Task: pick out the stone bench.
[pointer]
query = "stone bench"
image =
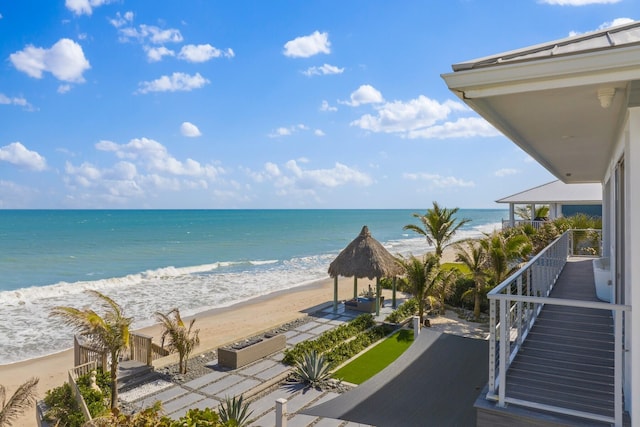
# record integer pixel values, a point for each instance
(234, 358)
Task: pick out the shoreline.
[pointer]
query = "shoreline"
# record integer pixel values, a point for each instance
(218, 327)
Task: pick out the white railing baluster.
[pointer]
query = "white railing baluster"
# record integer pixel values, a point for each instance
(504, 346)
(534, 282)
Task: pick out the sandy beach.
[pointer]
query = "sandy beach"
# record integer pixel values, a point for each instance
(217, 327)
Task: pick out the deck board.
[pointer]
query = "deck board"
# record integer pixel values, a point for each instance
(568, 355)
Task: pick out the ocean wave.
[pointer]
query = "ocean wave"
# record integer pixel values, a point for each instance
(192, 289)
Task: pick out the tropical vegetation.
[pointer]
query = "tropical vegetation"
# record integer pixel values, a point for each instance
(20, 401)
(439, 226)
(182, 339)
(313, 370)
(235, 412)
(107, 332)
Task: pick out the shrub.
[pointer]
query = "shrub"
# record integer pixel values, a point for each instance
(97, 401)
(405, 310)
(62, 408)
(329, 339)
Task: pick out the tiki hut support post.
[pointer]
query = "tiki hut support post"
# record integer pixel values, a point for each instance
(377, 296)
(393, 302)
(355, 287)
(335, 294)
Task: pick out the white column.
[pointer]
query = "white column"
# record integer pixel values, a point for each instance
(416, 327)
(632, 266)
(281, 412)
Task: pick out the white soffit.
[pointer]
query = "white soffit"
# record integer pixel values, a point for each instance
(558, 192)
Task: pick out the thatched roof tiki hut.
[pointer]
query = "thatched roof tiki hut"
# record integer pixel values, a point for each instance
(364, 257)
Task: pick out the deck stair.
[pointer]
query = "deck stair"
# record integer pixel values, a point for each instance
(132, 373)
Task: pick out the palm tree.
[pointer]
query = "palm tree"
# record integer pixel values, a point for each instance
(443, 286)
(440, 226)
(502, 251)
(109, 332)
(181, 339)
(420, 274)
(525, 213)
(474, 257)
(21, 399)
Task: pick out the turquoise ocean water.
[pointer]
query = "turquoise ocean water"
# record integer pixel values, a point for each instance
(151, 260)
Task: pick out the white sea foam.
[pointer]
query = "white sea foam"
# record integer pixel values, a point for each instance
(192, 289)
(27, 331)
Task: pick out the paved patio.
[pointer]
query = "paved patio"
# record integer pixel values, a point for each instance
(253, 381)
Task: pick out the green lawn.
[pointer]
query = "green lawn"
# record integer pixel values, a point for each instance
(457, 265)
(375, 360)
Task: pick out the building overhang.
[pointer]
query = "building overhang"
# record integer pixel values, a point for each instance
(565, 110)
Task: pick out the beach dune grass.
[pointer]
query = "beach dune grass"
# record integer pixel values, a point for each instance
(376, 359)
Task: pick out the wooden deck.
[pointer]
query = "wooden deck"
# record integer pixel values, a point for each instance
(567, 360)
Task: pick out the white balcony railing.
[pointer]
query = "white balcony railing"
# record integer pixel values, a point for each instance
(515, 305)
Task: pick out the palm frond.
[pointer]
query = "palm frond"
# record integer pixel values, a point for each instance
(21, 400)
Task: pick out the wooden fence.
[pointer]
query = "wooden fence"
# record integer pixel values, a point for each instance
(74, 374)
(141, 349)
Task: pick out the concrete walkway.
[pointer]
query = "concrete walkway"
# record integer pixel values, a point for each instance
(252, 381)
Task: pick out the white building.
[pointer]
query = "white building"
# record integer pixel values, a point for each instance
(561, 199)
(574, 106)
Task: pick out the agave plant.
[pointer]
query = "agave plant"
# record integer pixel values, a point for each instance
(313, 369)
(234, 412)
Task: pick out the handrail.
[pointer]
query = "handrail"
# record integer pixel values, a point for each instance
(516, 302)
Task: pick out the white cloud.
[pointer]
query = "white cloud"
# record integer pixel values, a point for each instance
(190, 130)
(202, 53)
(121, 20)
(323, 70)
(438, 181)
(306, 46)
(578, 2)
(84, 7)
(293, 178)
(155, 54)
(144, 169)
(326, 107)
(65, 60)
(365, 94)
(17, 154)
(465, 127)
(505, 172)
(287, 131)
(398, 116)
(615, 23)
(339, 175)
(4, 99)
(318, 132)
(605, 25)
(175, 82)
(421, 118)
(64, 88)
(272, 169)
(150, 33)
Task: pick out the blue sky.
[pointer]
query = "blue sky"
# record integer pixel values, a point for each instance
(262, 104)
